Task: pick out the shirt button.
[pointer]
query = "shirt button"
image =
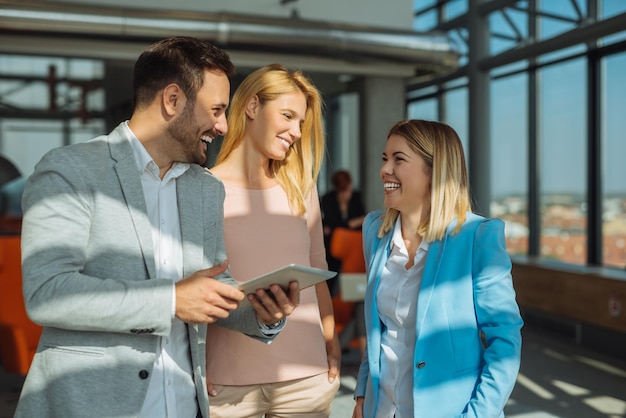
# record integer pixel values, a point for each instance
(421, 365)
(143, 374)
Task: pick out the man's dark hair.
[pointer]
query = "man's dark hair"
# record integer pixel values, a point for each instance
(181, 60)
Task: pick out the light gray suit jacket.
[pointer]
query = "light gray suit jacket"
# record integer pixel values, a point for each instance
(89, 278)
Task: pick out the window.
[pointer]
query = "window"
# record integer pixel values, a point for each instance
(73, 113)
(509, 159)
(456, 114)
(563, 169)
(423, 109)
(613, 128)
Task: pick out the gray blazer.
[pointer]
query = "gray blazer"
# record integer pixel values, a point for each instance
(89, 278)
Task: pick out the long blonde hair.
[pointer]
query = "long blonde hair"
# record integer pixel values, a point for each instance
(297, 173)
(440, 147)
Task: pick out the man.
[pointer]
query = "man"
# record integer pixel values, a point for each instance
(121, 245)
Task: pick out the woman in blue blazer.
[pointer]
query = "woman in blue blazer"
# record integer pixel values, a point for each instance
(443, 326)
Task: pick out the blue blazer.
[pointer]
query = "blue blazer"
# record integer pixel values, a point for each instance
(468, 341)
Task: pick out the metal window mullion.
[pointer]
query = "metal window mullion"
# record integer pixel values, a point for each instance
(594, 148)
(534, 156)
(547, 15)
(594, 162)
(512, 24)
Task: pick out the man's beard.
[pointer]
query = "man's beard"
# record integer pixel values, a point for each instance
(185, 131)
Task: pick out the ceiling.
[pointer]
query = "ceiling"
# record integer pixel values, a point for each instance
(45, 28)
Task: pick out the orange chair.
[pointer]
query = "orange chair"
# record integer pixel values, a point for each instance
(19, 336)
(347, 245)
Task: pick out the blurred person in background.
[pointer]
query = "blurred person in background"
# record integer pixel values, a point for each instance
(341, 207)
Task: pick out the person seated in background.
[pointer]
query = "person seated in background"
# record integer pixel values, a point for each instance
(341, 207)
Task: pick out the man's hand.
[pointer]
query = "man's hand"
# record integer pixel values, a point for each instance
(271, 308)
(200, 298)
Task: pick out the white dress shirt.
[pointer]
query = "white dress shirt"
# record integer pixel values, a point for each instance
(396, 298)
(171, 391)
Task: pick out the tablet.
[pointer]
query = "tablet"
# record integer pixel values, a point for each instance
(305, 276)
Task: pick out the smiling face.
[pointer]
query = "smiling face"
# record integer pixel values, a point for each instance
(406, 177)
(203, 120)
(274, 126)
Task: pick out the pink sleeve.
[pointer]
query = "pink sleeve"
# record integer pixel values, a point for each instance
(314, 222)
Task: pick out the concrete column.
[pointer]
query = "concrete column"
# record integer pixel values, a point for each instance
(479, 111)
(382, 105)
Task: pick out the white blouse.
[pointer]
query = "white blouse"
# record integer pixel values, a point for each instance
(396, 298)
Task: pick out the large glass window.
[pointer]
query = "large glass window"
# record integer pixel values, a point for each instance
(508, 27)
(66, 92)
(613, 166)
(25, 141)
(342, 140)
(563, 163)
(423, 109)
(456, 114)
(426, 16)
(560, 16)
(46, 102)
(509, 158)
(556, 225)
(455, 8)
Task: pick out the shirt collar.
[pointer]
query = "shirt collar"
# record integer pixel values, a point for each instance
(398, 242)
(145, 162)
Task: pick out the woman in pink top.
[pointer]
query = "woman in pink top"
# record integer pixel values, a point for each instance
(269, 163)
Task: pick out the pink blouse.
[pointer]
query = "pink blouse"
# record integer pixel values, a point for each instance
(262, 234)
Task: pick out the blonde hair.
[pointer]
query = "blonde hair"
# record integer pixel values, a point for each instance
(297, 173)
(440, 147)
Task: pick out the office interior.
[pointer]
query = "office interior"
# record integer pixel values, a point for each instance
(535, 89)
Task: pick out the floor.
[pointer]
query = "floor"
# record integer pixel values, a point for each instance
(557, 380)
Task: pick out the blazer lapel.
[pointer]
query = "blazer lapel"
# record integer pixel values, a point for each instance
(192, 203)
(130, 182)
(429, 279)
(192, 200)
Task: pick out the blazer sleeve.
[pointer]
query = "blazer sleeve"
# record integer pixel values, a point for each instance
(498, 318)
(82, 265)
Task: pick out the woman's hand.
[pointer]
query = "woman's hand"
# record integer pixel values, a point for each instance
(210, 388)
(358, 408)
(333, 355)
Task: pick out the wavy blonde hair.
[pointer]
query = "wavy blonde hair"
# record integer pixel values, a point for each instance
(440, 147)
(297, 173)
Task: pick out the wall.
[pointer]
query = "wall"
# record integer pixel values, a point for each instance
(586, 302)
